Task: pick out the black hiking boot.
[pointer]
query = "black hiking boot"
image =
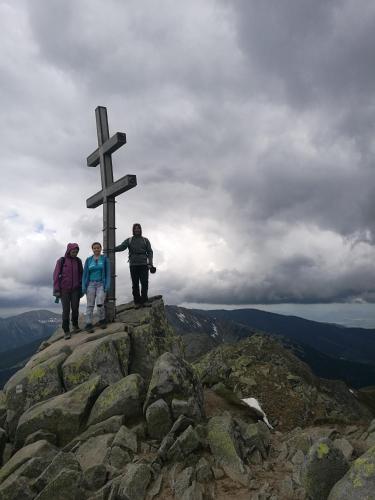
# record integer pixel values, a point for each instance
(89, 328)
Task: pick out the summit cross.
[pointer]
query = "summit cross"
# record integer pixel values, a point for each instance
(103, 156)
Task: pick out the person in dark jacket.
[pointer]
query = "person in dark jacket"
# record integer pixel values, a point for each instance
(96, 281)
(140, 261)
(67, 279)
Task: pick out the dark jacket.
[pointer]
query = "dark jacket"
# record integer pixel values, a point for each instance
(140, 251)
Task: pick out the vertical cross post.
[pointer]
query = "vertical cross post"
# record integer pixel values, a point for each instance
(109, 216)
(110, 189)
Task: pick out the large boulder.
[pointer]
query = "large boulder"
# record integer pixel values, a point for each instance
(187, 443)
(19, 489)
(158, 417)
(32, 385)
(125, 397)
(109, 426)
(124, 446)
(174, 379)
(94, 358)
(64, 486)
(134, 483)
(40, 449)
(63, 415)
(82, 337)
(26, 465)
(151, 335)
(121, 341)
(324, 466)
(61, 347)
(95, 477)
(181, 424)
(126, 439)
(224, 444)
(28, 471)
(62, 461)
(182, 481)
(254, 437)
(93, 451)
(359, 482)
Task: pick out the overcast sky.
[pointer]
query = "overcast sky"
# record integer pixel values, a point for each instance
(250, 127)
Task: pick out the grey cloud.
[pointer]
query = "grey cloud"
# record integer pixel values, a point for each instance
(244, 121)
(313, 50)
(88, 226)
(33, 298)
(133, 47)
(291, 189)
(297, 280)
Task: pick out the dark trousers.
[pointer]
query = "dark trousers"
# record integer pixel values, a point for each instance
(139, 274)
(70, 301)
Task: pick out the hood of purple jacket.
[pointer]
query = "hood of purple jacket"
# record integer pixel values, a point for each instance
(69, 247)
(71, 271)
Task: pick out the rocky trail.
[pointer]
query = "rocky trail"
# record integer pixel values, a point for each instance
(121, 415)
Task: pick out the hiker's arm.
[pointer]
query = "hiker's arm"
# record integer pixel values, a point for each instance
(124, 245)
(150, 253)
(56, 284)
(85, 276)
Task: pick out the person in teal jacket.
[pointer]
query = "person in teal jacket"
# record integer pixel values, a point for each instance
(96, 281)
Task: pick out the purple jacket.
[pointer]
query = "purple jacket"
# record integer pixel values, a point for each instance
(71, 278)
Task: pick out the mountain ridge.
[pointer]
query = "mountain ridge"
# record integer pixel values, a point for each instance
(197, 328)
(26, 327)
(120, 414)
(329, 338)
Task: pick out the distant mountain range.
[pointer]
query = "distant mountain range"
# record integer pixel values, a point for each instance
(332, 351)
(13, 360)
(27, 327)
(353, 344)
(20, 337)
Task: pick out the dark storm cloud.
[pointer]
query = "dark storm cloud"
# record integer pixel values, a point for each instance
(314, 52)
(37, 299)
(295, 280)
(249, 126)
(318, 59)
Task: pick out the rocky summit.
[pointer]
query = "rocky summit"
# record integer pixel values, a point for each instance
(119, 414)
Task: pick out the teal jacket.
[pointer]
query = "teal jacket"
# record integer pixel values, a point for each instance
(98, 273)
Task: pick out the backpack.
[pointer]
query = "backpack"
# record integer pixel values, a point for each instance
(130, 242)
(62, 262)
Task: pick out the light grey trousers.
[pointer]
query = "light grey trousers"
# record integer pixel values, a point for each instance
(95, 293)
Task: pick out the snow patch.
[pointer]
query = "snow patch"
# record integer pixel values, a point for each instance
(181, 316)
(216, 333)
(53, 321)
(254, 403)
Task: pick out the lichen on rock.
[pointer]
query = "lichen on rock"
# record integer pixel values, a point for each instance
(63, 415)
(359, 482)
(124, 397)
(324, 466)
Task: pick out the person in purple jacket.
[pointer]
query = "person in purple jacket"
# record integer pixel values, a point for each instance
(67, 285)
